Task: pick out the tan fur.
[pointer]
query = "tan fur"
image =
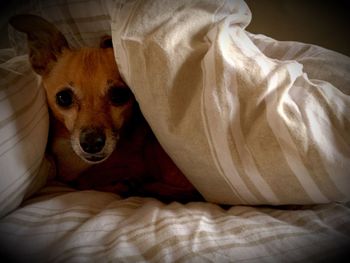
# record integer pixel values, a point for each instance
(131, 160)
(89, 72)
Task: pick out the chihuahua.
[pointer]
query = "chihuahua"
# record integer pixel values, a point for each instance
(98, 136)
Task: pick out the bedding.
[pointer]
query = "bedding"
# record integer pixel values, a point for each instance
(63, 225)
(23, 136)
(250, 120)
(263, 130)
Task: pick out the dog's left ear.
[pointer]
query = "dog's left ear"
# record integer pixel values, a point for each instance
(106, 42)
(45, 41)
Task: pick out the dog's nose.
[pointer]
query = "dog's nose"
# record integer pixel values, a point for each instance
(92, 140)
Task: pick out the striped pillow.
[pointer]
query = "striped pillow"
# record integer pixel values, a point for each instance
(23, 133)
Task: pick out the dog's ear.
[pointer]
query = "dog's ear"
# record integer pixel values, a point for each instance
(45, 41)
(106, 42)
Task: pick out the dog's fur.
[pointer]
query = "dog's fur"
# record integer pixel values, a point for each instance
(98, 135)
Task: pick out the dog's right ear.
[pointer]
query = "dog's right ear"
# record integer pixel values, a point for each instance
(45, 41)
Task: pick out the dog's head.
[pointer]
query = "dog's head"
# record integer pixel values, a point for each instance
(84, 89)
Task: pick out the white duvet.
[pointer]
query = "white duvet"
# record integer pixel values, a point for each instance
(261, 120)
(250, 120)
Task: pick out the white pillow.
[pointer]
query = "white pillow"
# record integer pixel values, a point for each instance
(23, 133)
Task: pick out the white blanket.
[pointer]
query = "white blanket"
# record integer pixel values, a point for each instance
(249, 120)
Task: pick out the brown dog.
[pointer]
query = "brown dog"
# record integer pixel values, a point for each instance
(98, 136)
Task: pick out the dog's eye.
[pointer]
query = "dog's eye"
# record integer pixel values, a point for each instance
(119, 95)
(64, 98)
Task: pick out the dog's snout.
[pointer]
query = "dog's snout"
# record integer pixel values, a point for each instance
(92, 140)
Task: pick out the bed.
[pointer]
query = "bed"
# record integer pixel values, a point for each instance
(259, 126)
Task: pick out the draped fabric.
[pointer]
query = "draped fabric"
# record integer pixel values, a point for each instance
(266, 122)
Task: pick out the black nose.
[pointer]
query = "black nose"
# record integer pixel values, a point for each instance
(92, 140)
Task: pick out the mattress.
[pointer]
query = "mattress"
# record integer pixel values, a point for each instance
(259, 126)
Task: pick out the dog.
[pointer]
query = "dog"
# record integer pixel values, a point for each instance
(98, 136)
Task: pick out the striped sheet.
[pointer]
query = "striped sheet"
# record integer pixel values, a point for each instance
(23, 133)
(61, 225)
(82, 22)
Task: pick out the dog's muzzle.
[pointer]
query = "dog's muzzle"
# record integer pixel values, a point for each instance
(92, 142)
